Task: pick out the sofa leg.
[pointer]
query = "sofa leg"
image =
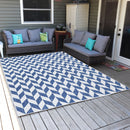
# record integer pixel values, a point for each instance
(6, 55)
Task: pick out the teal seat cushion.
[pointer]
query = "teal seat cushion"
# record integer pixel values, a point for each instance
(90, 44)
(17, 38)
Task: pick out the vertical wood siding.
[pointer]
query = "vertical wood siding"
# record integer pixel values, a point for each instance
(93, 15)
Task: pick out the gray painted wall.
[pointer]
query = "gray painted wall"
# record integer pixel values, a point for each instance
(10, 15)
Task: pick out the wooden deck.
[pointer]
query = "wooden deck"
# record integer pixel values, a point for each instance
(0, 123)
(108, 112)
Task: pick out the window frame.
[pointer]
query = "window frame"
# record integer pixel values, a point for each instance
(37, 22)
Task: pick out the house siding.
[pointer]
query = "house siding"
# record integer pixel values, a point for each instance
(10, 15)
(93, 15)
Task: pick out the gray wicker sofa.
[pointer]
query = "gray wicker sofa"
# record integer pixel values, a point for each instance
(78, 50)
(28, 46)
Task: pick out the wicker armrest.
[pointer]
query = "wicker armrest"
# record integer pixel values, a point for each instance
(68, 40)
(5, 39)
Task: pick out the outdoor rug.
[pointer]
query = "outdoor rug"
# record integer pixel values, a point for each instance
(45, 81)
(115, 66)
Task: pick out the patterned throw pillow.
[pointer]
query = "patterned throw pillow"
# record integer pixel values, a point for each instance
(17, 38)
(44, 37)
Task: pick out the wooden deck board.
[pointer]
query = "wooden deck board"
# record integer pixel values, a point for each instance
(117, 104)
(119, 99)
(100, 112)
(92, 114)
(115, 109)
(126, 94)
(127, 128)
(21, 124)
(48, 121)
(27, 123)
(0, 123)
(104, 108)
(89, 121)
(125, 97)
(37, 121)
(4, 111)
(58, 120)
(121, 125)
(68, 120)
(79, 121)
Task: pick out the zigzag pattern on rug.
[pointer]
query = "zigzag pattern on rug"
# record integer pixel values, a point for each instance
(44, 81)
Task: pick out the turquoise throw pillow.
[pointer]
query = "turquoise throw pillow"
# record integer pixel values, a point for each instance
(44, 37)
(90, 44)
(17, 38)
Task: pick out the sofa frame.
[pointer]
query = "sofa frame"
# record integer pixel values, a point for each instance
(88, 60)
(27, 49)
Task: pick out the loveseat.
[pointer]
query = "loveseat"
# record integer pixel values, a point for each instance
(31, 41)
(76, 47)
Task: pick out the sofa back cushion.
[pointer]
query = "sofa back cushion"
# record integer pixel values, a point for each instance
(50, 32)
(86, 36)
(78, 35)
(34, 35)
(101, 42)
(24, 34)
(9, 37)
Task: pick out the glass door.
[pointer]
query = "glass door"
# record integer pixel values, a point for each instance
(122, 50)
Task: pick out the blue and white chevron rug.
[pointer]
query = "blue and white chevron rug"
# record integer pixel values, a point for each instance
(44, 81)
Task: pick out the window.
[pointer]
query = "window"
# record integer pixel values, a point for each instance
(37, 11)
